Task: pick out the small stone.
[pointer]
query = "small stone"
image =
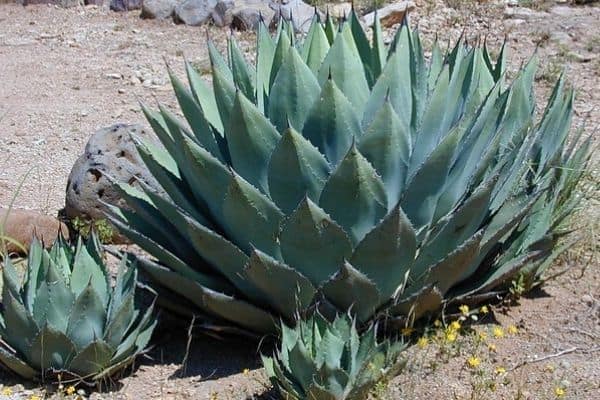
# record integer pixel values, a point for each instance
(114, 75)
(194, 12)
(588, 300)
(158, 9)
(390, 15)
(523, 13)
(297, 11)
(121, 91)
(125, 5)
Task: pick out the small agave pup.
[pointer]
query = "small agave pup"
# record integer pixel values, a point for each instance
(322, 360)
(341, 173)
(63, 318)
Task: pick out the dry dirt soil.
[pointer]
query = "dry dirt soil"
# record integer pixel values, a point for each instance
(66, 73)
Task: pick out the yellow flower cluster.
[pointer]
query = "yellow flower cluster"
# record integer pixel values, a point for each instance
(473, 362)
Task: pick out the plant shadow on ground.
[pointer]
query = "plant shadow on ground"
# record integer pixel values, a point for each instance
(203, 356)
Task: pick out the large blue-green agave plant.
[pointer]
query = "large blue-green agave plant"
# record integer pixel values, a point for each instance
(340, 173)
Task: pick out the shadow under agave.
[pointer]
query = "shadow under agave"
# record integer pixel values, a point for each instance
(200, 354)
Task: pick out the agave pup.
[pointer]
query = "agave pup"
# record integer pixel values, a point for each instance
(64, 318)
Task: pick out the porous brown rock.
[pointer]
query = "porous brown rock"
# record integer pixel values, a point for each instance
(109, 152)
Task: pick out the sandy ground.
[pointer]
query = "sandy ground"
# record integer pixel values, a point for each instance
(66, 73)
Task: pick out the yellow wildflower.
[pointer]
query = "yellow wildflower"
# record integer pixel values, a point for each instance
(498, 332)
(492, 347)
(451, 336)
(246, 371)
(7, 391)
(407, 331)
(559, 392)
(482, 335)
(422, 342)
(549, 368)
(70, 390)
(454, 326)
(464, 310)
(473, 362)
(437, 323)
(512, 329)
(500, 370)
(214, 396)
(484, 310)
(35, 397)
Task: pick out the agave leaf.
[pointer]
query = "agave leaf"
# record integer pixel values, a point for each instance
(379, 51)
(251, 218)
(92, 359)
(394, 84)
(164, 255)
(293, 93)
(446, 106)
(243, 75)
(363, 46)
(58, 299)
(316, 391)
(281, 50)
(435, 66)
(251, 140)
(16, 365)
(447, 272)
(88, 268)
(495, 276)
(312, 243)
(157, 161)
(51, 349)
(20, 327)
(283, 287)
(332, 132)
(120, 321)
(218, 63)
(315, 48)
(387, 252)
(333, 380)
(152, 220)
(340, 290)
(457, 227)
(290, 388)
(209, 245)
(220, 304)
(207, 176)
(356, 181)
(301, 365)
(205, 97)
(33, 276)
(423, 189)
(416, 304)
(306, 171)
(342, 65)
(265, 50)
(87, 319)
(195, 117)
(225, 93)
(330, 350)
(386, 145)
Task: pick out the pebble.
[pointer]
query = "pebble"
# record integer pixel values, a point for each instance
(114, 76)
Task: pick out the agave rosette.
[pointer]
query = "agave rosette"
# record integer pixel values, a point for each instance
(64, 319)
(343, 173)
(322, 360)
